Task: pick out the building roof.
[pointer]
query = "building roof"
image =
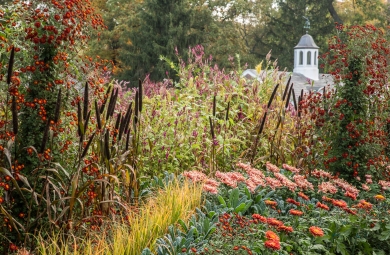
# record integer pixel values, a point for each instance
(306, 42)
(300, 81)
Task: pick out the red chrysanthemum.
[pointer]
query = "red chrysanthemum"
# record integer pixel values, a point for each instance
(272, 244)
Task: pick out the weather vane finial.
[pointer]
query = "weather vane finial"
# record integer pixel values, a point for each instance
(307, 24)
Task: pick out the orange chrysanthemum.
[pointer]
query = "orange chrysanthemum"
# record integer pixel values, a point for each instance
(259, 217)
(271, 203)
(339, 203)
(302, 195)
(287, 229)
(296, 212)
(379, 197)
(322, 206)
(292, 201)
(272, 244)
(316, 231)
(270, 235)
(274, 222)
(363, 204)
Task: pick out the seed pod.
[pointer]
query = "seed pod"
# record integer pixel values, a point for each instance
(105, 100)
(286, 89)
(272, 96)
(262, 124)
(111, 105)
(136, 112)
(211, 128)
(294, 100)
(10, 65)
(127, 124)
(127, 141)
(227, 111)
(58, 107)
(98, 120)
(14, 115)
(86, 101)
(288, 96)
(214, 105)
(86, 121)
(140, 95)
(106, 146)
(45, 135)
(88, 145)
(124, 121)
(118, 120)
(79, 119)
(299, 109)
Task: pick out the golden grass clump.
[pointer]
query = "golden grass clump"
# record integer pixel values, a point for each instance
(176, 201)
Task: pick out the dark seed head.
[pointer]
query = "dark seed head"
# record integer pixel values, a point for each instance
(10, 65)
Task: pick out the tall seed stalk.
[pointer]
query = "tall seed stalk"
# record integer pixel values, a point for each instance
(261, 125)
(225, 130)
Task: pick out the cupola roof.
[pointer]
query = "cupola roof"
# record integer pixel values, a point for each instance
(306, 42)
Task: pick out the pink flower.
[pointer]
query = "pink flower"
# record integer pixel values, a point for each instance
(195, 176)
(273, 183)
(236, 176)
(272, 167)
(321, 174)
(226, 179)
(385, 184)
(210, 188)
(285, 181)
(212, 182)
(251, 185)
(326, 187)
(291, 168)
(346, 186)
(302, 183)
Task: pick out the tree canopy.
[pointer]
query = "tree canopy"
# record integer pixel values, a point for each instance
(141, 31)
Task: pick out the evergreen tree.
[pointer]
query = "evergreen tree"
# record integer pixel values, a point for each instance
(286, 26)
(165, 28)
(111, 42)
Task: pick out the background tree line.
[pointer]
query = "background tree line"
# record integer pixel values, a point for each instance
(140, 31)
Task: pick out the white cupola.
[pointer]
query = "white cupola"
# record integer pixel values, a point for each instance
(306, 57)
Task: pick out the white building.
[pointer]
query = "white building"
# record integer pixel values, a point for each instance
(305, 75)
(306, 58)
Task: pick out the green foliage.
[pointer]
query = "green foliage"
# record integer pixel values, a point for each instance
(351, 121)
(166, 28)
(345, 226)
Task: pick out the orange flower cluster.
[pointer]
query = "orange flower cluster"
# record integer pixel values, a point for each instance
(363, 204)
(296, 212)
(379, 197)
(273, 240)
(322, 206)
(292, 201)
(316, 231)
